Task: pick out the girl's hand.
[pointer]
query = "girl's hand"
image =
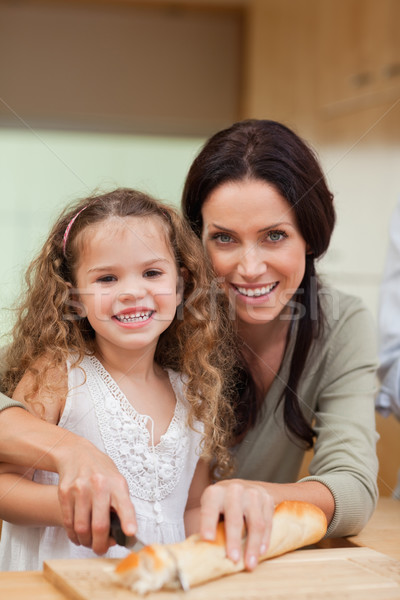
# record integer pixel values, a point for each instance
(90, 485)
(240, 502)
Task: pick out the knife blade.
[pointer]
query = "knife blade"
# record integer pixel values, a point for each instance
(129, 541)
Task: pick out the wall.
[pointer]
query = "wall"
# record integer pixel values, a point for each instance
(41, 171)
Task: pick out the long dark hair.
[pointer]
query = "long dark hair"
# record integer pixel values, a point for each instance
(268, 151)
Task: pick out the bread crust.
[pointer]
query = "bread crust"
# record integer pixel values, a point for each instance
(194, 561)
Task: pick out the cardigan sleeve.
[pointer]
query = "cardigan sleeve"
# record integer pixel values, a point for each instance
(6, 402)
(345, 450)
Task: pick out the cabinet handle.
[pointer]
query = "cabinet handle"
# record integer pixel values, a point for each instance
(361, 80)
(391, 70)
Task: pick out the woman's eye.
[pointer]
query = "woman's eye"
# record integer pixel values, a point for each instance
(276, 236)
(107, 279)
(224, 238)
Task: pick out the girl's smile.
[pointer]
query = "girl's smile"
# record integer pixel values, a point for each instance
(134, 317)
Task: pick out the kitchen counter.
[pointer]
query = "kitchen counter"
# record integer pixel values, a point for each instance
(381, 534)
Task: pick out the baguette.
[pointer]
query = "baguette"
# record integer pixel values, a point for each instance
(195, 561)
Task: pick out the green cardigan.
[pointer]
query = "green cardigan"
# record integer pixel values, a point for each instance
(337, 390)
(6, 402)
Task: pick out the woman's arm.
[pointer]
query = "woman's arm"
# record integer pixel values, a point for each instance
(342, 479)
(344, 457)
(236, 500)
(22, 501)
(251, 503)
(89, 485)
(28, 440)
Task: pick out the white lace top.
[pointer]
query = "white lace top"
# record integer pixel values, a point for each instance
(158, 476)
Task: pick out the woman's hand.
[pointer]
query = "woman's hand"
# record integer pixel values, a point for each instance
(240, 502)
(90, 485)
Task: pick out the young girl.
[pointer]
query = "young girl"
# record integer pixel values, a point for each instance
(118, 340)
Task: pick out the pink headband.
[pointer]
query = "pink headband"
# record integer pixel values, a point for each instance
(68, 229)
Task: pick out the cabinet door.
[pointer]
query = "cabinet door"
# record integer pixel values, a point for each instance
(359, 54)
(389, 65)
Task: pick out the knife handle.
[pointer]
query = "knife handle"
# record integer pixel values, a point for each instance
(116, 529)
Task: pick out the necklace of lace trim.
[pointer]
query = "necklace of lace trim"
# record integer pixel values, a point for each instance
(152, 471)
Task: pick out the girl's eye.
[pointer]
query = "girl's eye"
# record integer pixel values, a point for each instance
(276, 236)
(107, 279)
(224, 238)
(152, 273)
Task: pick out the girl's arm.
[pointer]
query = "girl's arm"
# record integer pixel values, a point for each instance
(16, 486)
(201, 479)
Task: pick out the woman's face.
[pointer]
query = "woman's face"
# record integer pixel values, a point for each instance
(252, 237)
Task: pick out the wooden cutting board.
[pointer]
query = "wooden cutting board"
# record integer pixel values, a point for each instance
(336, 573)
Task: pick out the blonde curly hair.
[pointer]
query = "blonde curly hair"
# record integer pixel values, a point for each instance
(199, 343)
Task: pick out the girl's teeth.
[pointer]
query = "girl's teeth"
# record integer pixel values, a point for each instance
(256, 291)
(134, 317)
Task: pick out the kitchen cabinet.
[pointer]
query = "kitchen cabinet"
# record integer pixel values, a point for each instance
(328, 68)
(122, 67)
(359, 54)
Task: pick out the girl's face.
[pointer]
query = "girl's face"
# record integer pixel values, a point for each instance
(252, 237)
(127, 282)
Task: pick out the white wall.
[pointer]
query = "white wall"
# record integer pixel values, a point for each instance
(41, 171)
(366, 184)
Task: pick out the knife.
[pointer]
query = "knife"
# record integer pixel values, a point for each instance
(129, 541)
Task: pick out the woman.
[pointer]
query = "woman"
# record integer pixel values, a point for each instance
(257, 197)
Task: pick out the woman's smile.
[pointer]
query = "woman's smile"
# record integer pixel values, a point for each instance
(255, 292)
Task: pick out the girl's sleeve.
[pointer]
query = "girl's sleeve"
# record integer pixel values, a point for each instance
(345, 450)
